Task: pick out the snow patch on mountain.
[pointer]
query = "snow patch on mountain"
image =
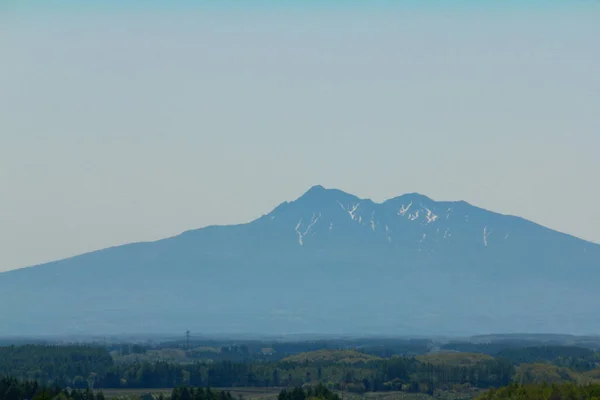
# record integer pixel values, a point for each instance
(350, 210)
(414, 216)
(404, 209)
(486, 235)
(301, 235)
(430, 216)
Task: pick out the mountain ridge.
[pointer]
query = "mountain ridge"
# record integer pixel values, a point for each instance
(326, 262)
(315, 189)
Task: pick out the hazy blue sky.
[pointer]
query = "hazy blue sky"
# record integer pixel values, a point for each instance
(130, 121)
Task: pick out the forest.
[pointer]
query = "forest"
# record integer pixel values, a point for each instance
(353, 366)
(84, 371)
(564, 391)
(95, 367)
(13, 389)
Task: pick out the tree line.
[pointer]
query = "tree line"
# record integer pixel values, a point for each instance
(61, 365)
(13, 389)
(397, 373)
(82, 367)
(563, 391)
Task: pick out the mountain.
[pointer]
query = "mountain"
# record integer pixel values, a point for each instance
(328, 262)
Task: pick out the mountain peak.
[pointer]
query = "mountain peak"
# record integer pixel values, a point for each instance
(319, 193)
(315, 189)
(416, 199)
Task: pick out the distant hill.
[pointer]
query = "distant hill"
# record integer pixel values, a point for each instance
(454, 359)
(544, 373)
(328, 262)
(331, 356)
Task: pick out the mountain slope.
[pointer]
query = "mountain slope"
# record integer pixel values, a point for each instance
(328, 262)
